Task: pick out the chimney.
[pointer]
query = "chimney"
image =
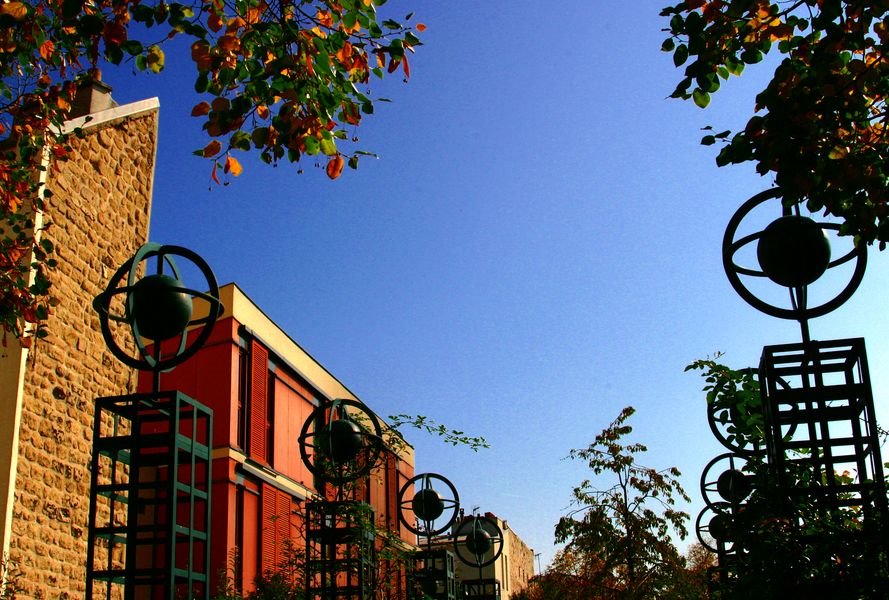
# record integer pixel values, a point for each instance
(92, 95)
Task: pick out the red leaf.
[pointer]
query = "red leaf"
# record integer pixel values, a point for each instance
(335, 166)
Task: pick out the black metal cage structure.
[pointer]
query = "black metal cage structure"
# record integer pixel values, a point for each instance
(435, 575)
(340, 551)
(822, 432)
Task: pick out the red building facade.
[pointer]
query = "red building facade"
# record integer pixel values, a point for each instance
(262, 386)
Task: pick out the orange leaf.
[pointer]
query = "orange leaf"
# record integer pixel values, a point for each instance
(406, 67)
(16, 10)
(212, 149)
(232, 166)
(114, 33)
(325, 18)
(46, 49)
(335, 166)
(421, 27)
(200, 109)
(214, 22)
(693, 4)
(309, 67)
(213, 172)
(221, 104)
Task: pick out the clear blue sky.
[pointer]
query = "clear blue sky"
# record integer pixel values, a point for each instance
(537, 247)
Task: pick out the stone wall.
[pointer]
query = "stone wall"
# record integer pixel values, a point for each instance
(98, 216)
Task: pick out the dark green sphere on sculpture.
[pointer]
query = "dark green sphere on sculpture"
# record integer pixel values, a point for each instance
(793, 251)
(160, 307)
(478, 542)
(340, 440)
(427, 504)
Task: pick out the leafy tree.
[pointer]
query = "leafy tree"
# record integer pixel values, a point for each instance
(622, 532)
(819, 126)
(823, 552)
(283, 78)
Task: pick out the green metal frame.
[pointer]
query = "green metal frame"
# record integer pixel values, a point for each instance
(340, 551)
(149, 525)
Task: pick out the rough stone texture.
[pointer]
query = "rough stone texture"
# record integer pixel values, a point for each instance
(99, 215)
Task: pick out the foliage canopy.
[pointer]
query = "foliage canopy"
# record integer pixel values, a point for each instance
(820, 125)
(282, 78)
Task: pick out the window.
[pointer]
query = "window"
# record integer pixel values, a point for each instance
(243, 395)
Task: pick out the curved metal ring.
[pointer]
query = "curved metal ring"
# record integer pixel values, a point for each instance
(733, 270)
(329, 469)
(102, 305)
(472, 526)
(453, 500)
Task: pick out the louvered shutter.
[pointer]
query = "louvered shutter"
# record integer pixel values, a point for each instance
(259, 394)
(269, 521)
(282, 525)
(276, 509)
(392, 492)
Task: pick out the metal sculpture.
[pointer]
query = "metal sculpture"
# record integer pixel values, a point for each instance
(340, 443)
(157, 307)
(478, 542)
(793, 252)
(434, 512)
(820, 433)
(148, 530)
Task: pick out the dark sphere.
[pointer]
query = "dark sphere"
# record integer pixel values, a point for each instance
(721, 527)
(733, 485)
(793, 251)
(427, 504)
(478, 542)
(160, 308)
(340, 441)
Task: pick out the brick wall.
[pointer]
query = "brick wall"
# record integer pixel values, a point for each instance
(99, 215)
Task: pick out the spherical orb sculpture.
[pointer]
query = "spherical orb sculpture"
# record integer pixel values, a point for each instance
(157, 307)
(341, 441)
(715, 527)
(161, 307)
(793, 251)
(478, 541)
(733, 485)
(427, 505)
(433, 508)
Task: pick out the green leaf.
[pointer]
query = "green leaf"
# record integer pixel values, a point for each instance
(681, 55)
(200, 84)
(708, 140)
(701, 98)
(328, 146)
(312, 146)
(668, 45)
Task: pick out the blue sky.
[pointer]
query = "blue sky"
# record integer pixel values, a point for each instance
(537, 247)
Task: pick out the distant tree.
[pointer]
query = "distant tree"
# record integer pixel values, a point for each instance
(621, 533)
(286, 80)
(820, 125)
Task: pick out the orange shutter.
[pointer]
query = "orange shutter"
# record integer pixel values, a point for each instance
(259, 394)
(392, 492)
(269, 521)
(282, 525)
(276, 508)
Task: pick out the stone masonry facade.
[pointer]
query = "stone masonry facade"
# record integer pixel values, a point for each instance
(98, 216)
